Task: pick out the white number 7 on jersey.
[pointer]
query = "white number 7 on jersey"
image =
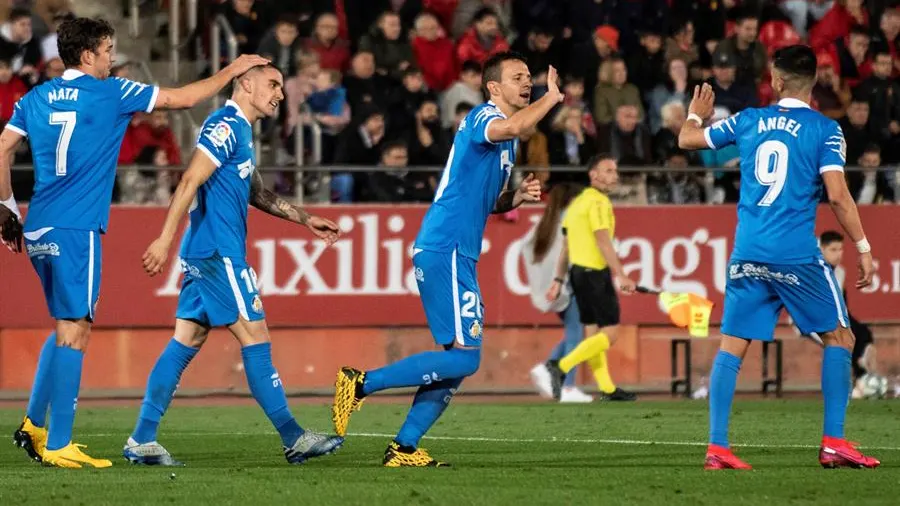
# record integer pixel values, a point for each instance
(774, 155)
(67, 120)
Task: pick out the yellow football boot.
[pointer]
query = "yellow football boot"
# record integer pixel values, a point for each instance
(347, 397)
(397, 456)
(71, 456)
(32, 439)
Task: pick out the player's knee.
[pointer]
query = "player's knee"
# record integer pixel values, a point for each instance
(841, 336)
(73, 334)
(193, 340)
(469, 360)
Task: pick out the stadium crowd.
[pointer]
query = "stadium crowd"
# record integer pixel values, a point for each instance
(388, 82)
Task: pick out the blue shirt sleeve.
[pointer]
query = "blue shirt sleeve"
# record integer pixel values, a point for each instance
(133, 96)
(17, 123)
(481, 118)
(218, 139)
(723, 132)
(833, 153)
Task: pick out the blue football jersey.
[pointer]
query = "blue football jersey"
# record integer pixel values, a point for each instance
(219, 212)
(784, 149)
(76, 124)
(477, 171)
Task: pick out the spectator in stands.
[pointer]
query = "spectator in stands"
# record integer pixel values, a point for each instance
(462, 110)
(467, 89)
(403, 103)
(483, 38)
(334, 53)
(280, 44)
(467, 10)
(11, 90)
(533, 151)
(587, 58)
(675, 186)
(393, 54)
(19, 47)
(150, 131)
(852, 55)
(726, 184)
(48, 43)
(574, 92)
(152, 187)
(364, 86)
(829, 97)
(647, 64)
(328, 106)
(858, 132)
(427, 144)
(674, 89)
(681, 44)
(358, 144)
(627, 139)
(746, 50)
(434, 53)
(614, 90)
(708, 20)
(53, 68)
(886, 38)
(249, 22)
(799, 11)
(883, 94)
(837, 23)
(569, 143)
(121, 67)
(296, 90)
(540, 52)
(729, 94)
(389, 183)
(871, 186)
(673, 114)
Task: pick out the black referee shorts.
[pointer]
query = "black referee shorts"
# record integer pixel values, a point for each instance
(596, 296)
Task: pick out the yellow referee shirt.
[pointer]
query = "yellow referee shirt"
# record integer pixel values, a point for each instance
(589, 212)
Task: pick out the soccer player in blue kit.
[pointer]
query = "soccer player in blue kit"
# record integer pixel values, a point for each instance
(446, 251)
(788, 151)
(76, 124)
(219, 288)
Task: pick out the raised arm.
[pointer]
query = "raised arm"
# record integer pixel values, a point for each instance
(504, 129)
(199, 170)
(692, 135)
(269, 203)
(191, 94)
(10, 217)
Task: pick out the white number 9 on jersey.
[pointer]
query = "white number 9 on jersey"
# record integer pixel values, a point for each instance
(771, 169)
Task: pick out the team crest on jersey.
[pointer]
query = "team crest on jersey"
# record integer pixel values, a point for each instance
(219, 134)
(420, 275)
(257, 304)
(475, 330)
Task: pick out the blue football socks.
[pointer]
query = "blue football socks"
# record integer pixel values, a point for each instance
(266, 387)
(427, 407)
(161, 387)
(65, 376)
(42, 387)
(835, 388)
(423, 369)
(722, 384)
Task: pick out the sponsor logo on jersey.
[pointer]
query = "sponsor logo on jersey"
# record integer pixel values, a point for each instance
(42, 249)
(761, 272)
(420, 275)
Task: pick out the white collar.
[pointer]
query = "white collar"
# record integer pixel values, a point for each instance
(792, 103)
(71, 74)
(237, 108)
(492, 104)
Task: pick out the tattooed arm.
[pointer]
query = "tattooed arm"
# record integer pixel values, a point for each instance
(529, 190)
(266, 201)
(505, 202)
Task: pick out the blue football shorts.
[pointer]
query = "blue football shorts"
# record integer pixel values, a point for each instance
(756, 292)
(216, 291)
(448, 287)
(68, 264)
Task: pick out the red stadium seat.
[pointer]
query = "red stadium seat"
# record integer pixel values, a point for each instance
(777, 34)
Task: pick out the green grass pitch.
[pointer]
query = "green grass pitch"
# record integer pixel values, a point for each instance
(645, 453)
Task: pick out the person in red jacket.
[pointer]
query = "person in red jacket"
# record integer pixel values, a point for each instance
(154, 131)
(483, 38)
(434, 53)
(11, 90)
(334, 53)
(836, 23)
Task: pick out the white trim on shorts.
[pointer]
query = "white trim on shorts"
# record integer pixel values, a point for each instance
(232, 280)
(90, 286)
(834, 294)
(457, 316)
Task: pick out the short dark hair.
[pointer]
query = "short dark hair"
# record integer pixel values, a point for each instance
(830, 236)
(860, 30)
(872, 147)
(572, 79)
(78, 35)
(493, 68)
(676, 151)
(483, 13)
(392, 145)
(463, 107)
(798, 65)
(19, 13)
(233, 85)
(881, 52)
(285, 19)
(599, 157)
(471, 66)
(745, 15)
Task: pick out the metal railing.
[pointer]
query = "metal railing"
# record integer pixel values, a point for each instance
(219, 26)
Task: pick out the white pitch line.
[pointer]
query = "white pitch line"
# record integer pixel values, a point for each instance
(636, 442)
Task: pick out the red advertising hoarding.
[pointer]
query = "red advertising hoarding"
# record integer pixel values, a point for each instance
(366, 278)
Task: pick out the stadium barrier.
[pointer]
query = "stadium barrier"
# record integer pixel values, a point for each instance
(356, 303)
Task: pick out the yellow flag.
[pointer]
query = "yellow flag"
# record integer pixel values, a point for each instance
(688, 310)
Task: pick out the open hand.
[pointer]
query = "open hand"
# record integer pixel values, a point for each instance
(324, 229)
(245, 62)
(703, 102)
(553, 84)
(529, 189)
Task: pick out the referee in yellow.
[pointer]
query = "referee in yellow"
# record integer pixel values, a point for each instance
(589, 226)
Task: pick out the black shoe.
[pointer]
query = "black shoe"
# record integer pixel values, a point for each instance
(619, 395)
(557, 377)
